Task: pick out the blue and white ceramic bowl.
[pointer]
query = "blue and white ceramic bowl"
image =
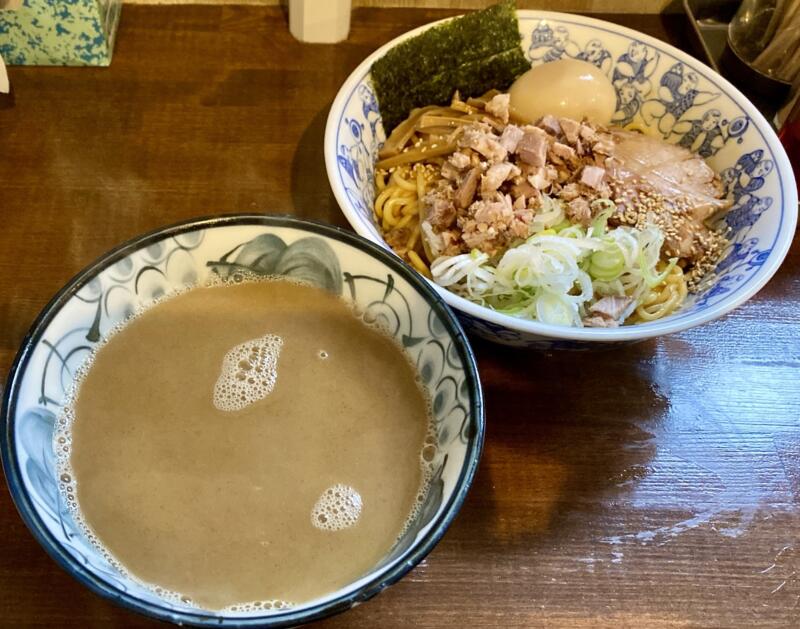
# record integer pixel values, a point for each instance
(132, 276)
(659, 88)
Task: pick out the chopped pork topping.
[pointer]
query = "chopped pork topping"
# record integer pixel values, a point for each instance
(459, 160)
(532, 148)
(450, 172)
(604, 145)
(466, 191)
(494, 182)
(498, 106)
(510, 138)
(598, 321)
(493, 226)
(578, 211)
(539, 179)
(608, 312)
(438, 207)
(550, 124)
(588, 133)
(570, 128)
(444, 243)
(569, 192)
(592, 176)
(524, 190)
(495, 176)
(480, 138)
(611, 307)
(397, 239)
(562, 152)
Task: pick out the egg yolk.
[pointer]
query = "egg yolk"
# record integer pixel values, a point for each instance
(567, 88)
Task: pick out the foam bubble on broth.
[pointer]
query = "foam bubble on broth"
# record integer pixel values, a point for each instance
(249, 372)
(427, 458)
(258, 606)
(338, 508)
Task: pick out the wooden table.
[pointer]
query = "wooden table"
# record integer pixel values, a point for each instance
(655, 485)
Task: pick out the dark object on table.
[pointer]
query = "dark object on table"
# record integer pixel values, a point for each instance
(790, 137)
(766, 35)
(754, 34)
(767, 93)
(710, 21)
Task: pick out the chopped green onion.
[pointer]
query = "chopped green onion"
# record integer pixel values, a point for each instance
(651, 278)
(607, 264)
(562, 225)
(558, 273)
(599, 224)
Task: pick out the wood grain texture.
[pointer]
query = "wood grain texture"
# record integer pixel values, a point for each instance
(656, 485)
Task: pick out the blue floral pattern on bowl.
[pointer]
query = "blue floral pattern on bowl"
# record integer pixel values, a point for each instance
(128, 279)
(660, 90)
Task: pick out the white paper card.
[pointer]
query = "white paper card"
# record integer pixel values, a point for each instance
(5, 86)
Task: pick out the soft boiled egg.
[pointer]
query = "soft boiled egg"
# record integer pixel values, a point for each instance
(567, 88)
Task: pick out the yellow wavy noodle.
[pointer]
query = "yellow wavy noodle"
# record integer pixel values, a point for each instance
(664, 299)
(635, 126)
(409, 164)
(397, 210)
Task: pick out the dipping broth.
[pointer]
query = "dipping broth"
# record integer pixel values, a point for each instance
(251, 444)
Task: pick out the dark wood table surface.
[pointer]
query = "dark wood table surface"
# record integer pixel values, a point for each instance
(654, 485)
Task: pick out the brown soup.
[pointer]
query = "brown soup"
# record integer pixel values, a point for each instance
(250, 442)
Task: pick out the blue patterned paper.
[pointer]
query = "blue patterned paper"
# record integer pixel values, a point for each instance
(59, 32)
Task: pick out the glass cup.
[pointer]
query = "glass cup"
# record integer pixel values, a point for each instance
(765, 34)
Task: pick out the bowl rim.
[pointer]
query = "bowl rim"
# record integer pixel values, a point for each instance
(784, 236)
(380, 579)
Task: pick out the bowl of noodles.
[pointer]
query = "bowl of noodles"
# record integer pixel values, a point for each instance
(554, 213)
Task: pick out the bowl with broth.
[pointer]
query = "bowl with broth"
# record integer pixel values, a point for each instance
(245, 420)
(519, 240)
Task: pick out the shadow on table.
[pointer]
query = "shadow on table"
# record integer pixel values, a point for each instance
(311, 193)
(567, 433)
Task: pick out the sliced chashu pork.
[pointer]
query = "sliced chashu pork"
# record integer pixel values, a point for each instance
(680, 176)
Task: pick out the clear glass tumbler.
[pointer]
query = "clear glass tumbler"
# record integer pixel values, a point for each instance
(766, 35)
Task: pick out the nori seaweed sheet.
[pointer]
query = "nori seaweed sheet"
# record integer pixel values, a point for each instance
(470, 79)
(471, 54)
